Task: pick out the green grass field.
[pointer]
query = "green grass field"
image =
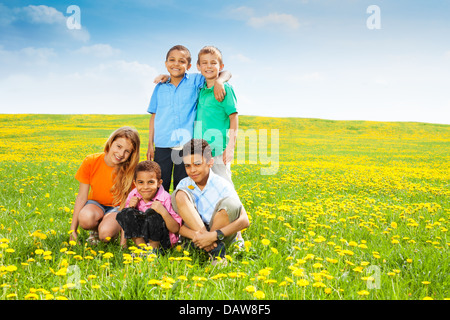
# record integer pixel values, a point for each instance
(338, 209)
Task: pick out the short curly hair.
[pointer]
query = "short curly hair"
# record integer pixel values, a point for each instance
(197, 146)
(148, 166)
(181, 48)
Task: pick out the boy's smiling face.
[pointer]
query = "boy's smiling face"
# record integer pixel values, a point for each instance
(210, 66)
(197, 168)
(147, 184)
(177, 63)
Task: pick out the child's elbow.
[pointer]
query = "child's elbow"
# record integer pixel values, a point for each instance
(175, 228)
(245, 222)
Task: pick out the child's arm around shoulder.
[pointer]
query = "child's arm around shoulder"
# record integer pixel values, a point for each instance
(219, 88)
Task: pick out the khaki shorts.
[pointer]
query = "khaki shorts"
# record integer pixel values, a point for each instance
(231, 205)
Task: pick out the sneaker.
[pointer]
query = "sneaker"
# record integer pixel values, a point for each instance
(239, 242)
(218, 251)
(93, 238)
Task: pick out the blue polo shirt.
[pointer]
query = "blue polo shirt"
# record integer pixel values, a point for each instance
(175, 109)
(216, 189)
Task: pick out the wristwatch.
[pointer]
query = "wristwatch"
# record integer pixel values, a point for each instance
(220, 235)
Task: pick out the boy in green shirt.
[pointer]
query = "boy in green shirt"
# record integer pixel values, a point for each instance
(216, 122)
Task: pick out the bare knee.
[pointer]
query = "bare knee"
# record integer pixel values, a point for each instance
(88, 219)
(109, 228)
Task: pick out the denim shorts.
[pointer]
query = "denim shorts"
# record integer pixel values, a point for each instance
(106, 209)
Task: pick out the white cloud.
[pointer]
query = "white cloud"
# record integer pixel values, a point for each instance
(119, 86)
(381, 81)
(241, 58)
(42, 14)
(26, 57)
(98, 50)
(242, 13)
(313, 76)
(275, 19)
(52, 24)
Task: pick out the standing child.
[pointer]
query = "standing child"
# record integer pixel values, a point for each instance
(173, 109)
(149, 217)
(105, 180)
(217, 122)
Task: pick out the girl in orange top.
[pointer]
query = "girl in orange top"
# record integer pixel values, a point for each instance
(105, 180)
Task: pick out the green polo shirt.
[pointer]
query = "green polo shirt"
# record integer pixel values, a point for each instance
(213, 118)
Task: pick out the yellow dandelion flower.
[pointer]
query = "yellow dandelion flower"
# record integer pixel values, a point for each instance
(250, 289)
(259, 294)
(11, 268)
(166, 285)
(31, 296)
(302, 282)
(317, 265)
(108, 255)
(358, 269)
(319, 284)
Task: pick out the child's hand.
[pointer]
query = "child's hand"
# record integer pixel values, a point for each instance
(161, 78)
(228, 155)
(205, 240)
(134, 202)
(73, 236)
(157, 206)
(150, 153)
(219, 90)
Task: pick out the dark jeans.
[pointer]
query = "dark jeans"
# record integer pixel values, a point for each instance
(163, 156)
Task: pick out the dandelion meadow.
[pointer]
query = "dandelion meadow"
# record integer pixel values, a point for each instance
(352, 210)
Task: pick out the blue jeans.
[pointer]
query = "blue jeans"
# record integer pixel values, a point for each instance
(106, 209)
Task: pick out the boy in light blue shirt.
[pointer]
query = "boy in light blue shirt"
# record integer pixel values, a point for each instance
(173, 107)
(212, 213)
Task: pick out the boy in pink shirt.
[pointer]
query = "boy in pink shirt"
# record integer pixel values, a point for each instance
(148, 217)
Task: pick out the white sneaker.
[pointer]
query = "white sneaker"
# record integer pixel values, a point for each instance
(93, 238)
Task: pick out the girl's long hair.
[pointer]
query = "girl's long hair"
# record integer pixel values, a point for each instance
(123, 182)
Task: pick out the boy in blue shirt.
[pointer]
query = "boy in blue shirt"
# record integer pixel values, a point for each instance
(212, 213)
(173, 109)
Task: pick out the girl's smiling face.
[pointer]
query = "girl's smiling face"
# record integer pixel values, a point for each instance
(120, 151)
(147, 184)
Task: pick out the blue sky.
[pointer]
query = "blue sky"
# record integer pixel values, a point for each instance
(303, 58)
